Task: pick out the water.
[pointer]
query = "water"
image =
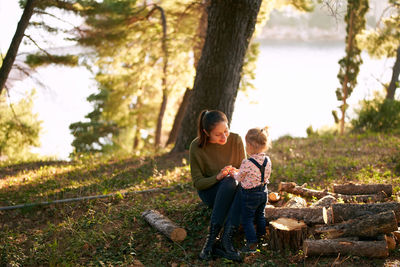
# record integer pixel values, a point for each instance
(296, 84)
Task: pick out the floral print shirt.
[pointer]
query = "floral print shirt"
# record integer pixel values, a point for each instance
(250, 175)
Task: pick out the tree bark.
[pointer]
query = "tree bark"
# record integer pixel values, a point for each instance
(164, 225)
(362, 189)
(372, 249)
(308, 215)
(395, 77)
(287, 234)
(365, 226)
(231, 24)
(16, 41)
(305, 192)
(164, 101)
(345, 211)
(198, 46)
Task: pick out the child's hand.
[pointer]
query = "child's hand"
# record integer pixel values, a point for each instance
(233, 171)
(224, 172)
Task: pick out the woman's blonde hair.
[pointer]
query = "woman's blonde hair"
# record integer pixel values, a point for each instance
(258, 139)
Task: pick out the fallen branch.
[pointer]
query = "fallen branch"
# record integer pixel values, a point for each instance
(66, 200)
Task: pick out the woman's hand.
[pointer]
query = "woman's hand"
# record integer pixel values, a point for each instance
(227, 170)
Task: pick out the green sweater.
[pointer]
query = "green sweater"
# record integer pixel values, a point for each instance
(207, 162)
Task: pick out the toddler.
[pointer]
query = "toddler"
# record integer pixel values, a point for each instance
(253, 176)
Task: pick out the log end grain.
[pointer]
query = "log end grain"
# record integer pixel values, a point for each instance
(391, 242)
(273, 197)
(287, 224)
(178, 234)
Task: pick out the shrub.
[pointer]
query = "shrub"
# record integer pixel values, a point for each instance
(377, 115)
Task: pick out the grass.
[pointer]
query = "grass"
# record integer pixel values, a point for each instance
(111, 231)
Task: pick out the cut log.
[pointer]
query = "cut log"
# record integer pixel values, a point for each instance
(365, 226)
(391, 242)
(372, 249)
(362, 189)
(296, 202)
(273, 197)
(293, 188)
(305, 192)
(164, 225)
(396, 235)
(310, 216)
(345, 211)
(326, 202)
(287, 234)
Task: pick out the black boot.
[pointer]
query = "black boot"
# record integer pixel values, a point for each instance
(207, 251)
(227, 250)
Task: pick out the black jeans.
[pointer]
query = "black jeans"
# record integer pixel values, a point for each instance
(224, 201)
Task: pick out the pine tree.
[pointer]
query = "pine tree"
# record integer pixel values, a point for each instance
(350, 64)
(384, 42)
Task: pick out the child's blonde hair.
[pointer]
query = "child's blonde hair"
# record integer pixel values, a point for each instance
(258, 139)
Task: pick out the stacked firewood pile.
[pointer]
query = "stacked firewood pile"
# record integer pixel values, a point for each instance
(354, 219)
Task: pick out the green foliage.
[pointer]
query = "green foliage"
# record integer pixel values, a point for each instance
(95, 135)
(19, 128)
(383, 41)
(377, 115)
(37, 60)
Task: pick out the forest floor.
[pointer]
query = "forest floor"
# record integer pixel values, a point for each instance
(111, 232)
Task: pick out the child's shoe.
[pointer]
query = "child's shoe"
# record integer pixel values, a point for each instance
(249, 248)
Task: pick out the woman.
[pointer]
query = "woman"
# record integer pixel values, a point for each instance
(212, 154)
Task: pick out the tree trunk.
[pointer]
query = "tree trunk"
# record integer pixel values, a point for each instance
(296, 202)
(305, 192)
(308, 215)
(230, 26)
(344, 211)
(365, 226)
(287, 234)
(198, 46)
(163, 106)
(362, 189)
(16, 41)
(164, 225)
(371, 249)
(395, 77)
(179, 116)
(201, 33)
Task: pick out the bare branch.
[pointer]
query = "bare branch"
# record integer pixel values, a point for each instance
(41, 49)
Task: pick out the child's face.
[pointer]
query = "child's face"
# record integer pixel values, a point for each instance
(219, 134)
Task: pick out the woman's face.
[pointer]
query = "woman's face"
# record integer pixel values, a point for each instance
(219, 134)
